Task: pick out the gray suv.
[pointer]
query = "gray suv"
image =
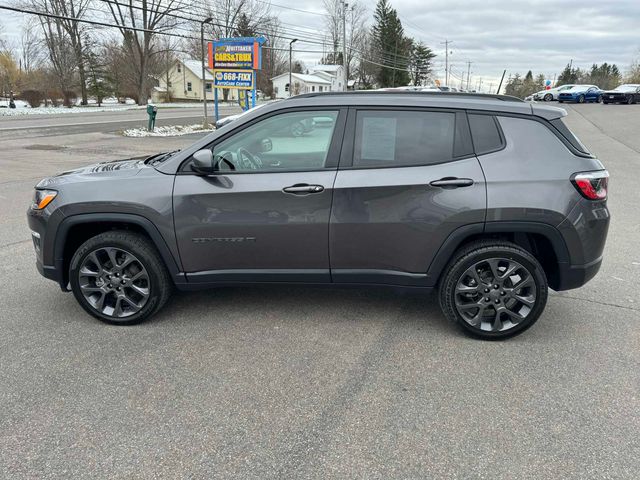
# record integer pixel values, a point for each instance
(487, 198)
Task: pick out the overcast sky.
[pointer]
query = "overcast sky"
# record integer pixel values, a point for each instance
(516, 35)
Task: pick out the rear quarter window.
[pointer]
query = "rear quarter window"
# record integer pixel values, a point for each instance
(485, 133)
(559, 125)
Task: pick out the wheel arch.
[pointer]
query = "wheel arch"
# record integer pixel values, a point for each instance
(73, 231)
(542, 240)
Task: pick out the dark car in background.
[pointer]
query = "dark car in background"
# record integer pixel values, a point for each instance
(486, 198)
(628, 93)
(581, 94)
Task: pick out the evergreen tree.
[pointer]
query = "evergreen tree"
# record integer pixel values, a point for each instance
(420, 63)
(391, 46)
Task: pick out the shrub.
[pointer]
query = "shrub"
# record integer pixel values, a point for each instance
(32, 97)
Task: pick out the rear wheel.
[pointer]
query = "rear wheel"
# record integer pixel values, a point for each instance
(119, 277)
(494, 290)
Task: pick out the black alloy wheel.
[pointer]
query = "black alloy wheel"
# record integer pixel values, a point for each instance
(119, 277)
(494, 290)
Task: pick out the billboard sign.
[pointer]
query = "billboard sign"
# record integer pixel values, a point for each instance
(235, 54)
(242, 79)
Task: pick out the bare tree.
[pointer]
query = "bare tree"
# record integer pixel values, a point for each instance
(30, 46)
(76, 32)
(150, 16)
(61, 57)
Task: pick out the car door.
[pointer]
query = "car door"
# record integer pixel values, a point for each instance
(407, 180)
(592, 94)
(264, 214)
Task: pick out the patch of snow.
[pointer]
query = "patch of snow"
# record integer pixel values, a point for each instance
(170, 131)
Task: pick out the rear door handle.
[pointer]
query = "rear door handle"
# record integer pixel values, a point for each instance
(303, 189)
(452, 182)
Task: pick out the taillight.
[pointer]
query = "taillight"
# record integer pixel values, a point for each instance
(592, 185)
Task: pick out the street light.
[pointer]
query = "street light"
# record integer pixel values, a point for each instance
(204, 80)
(290, 60)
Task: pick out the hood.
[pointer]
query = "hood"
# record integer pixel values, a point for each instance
(98, 171)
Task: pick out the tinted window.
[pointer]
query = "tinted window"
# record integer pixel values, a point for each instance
(569, 136)
(397, 138)
(289, 141)
(485, 133)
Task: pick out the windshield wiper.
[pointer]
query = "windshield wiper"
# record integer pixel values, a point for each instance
(159, 158)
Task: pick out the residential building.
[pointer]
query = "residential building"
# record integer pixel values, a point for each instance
(321, 78)
(183, 82)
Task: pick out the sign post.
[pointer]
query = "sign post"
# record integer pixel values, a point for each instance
(234, 62)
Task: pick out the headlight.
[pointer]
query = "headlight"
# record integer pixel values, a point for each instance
(42, 198)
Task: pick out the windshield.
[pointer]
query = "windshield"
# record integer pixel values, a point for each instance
(626, 88)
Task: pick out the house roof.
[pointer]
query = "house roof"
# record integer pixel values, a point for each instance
(306, 78)
(195, 67)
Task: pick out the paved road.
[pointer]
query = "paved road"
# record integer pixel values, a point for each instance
(29, 126)
(261, 383)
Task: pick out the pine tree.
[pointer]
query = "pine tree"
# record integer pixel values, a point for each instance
(391, 46)
(420, 63)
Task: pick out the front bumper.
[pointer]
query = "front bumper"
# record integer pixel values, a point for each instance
(38, 222)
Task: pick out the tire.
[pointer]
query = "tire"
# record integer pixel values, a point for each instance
(599, 99)
(548, 97)
(630, 100)
(560, 101)
(497, 308)
(129, 293)
(605, 102)
(581, 99)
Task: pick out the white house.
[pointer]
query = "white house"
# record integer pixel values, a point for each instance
(184, 81)
(321, 78)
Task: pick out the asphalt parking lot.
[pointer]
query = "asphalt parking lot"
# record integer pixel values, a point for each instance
(261, 383)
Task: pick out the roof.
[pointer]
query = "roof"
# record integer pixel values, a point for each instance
(467, 101)
(195, 66)
(305, 77)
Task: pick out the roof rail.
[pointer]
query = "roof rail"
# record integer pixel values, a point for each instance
(479, 96)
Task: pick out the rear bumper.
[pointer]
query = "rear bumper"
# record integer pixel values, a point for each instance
(575, 276)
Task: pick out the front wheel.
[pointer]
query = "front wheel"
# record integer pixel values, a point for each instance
(581, 99)
(119, 277)
(630, 100)
(548, 97)
(494, 290)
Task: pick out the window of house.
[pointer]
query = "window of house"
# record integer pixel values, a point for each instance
(179, 68)
(169, 83)
(208, 87)
(189, 88)
(403, 138)
(320, 88)
(313, 88)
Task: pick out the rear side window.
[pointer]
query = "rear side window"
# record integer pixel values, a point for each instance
(386, 138)
(485, 133)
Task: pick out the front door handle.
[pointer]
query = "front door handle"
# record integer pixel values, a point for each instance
(303, 189)
(452, 182)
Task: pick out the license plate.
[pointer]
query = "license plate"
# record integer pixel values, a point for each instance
(611, 97)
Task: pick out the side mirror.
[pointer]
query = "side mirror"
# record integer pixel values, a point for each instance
(266, 145)
(203, 162)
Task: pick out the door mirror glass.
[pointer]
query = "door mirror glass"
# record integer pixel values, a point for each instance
(266, 145)
(203, 162)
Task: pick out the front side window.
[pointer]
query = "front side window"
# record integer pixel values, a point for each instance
(286, 142)
(403, 138)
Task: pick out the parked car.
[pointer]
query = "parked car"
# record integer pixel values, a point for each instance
(552, 93)
(628, 93)
(410, 190)
(581, 94)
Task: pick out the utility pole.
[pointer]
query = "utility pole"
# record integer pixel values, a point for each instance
(501, 80)
(446, 60)
(345, 74)
(468, 73)
(205, 122)
(290, 63)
